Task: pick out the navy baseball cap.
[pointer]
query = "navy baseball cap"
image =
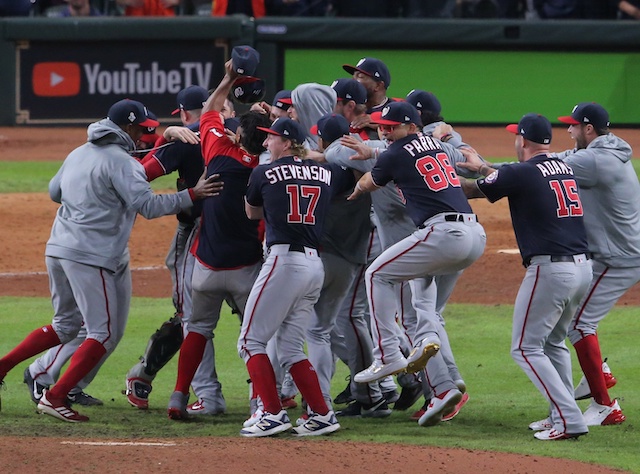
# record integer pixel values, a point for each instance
(191, 98)
(127, 111)
(248, 90)
(286, 128)
(533, 127)
(350, 89)
(396, 113)
(245, 60)
(424, 101)
(372, 67)
(587, 112)
(330, 127)
(232, 124)
(282, 100)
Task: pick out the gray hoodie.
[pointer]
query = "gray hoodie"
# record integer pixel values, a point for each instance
(101, 189)
(311, 102)
(610, 195)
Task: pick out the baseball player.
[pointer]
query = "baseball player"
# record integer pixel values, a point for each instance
(292, 194)
(178, 150)
(610, 191)
(101, 189)
(374, 75)
(448, 239)
(45, 370)
(228, 249)
(344, 243)
(547, 216)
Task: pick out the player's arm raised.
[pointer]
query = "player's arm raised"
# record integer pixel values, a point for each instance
(216, 100)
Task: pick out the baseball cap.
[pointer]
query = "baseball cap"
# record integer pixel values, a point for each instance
(350, 89)
(330, 127)
(424, 101)
(587, 112)
(191, 98)
(245, 60)
(282, 100)
(127, 111)
(232, 123)
(149, 134)
(533, 127)
(396, 113)
(371, 67)
(248, 90)
(287, 128)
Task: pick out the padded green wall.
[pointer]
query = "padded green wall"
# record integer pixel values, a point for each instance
(492, 86)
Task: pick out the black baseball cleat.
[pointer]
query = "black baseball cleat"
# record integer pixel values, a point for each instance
(408, 397)
(35, 389)
(84, 399)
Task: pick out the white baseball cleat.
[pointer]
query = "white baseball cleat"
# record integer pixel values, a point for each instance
(59, 409)
(378, 370)
(318, 425)
(268, 425)
(603, 415)
(439, 407)
(553, 435)
(541, 425)
(422, 352)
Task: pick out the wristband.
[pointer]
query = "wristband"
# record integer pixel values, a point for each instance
(192, 194)
(446, 137)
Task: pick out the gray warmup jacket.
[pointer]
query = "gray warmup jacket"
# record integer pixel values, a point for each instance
(610, 195)
(101, 189)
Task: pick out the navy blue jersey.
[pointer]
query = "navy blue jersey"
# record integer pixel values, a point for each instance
(184, 158)
(227, 237)
(424, 173)
(296, 195)
(545, 206)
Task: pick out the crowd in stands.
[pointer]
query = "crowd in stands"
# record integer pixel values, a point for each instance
(515, 9)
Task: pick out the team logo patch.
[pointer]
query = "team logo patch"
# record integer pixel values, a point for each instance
(492, 177)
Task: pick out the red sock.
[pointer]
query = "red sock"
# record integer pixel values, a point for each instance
(39, 340)
(263, 379)
(82, 362)
(191, 353)
(590, 358)
(306, 379)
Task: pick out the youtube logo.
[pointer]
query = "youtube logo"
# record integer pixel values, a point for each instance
(56, 79)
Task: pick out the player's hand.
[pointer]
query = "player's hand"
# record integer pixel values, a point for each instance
(363, 152)
(207, 187)
(363, 121)
(261, 107)
(184, 134)
(229, 70)
(473, 163)
(442, 130)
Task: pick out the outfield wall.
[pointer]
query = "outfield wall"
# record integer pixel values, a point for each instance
(65, 71)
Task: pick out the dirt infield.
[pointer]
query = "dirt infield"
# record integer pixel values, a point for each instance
(26, 220)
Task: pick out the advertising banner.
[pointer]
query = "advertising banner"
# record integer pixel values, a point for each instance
(60, 82)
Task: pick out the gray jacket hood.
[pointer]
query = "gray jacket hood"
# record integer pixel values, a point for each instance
(620, 149)
(312, 101)
(106, 132)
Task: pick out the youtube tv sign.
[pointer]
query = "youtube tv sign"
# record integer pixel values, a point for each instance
(63, 83)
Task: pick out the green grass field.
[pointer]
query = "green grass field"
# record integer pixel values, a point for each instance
(503, 401)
